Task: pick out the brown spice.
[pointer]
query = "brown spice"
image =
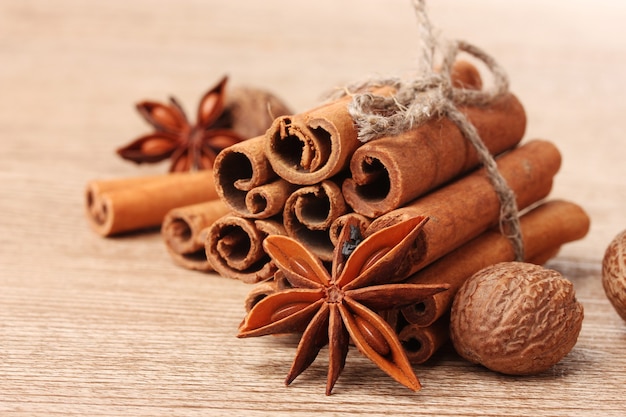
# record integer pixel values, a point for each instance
(250, 111)
(240, 169)
(614, 273)
(333, 308)
(128, 204)
(234, 247)
(310, 147)
(190, 146)
(308, 214)
(184, 232)
(515, 318)
(421, 342)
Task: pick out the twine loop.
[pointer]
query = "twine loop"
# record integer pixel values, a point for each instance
(432, 94)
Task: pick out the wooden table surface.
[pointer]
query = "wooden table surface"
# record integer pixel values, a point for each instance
(94, 326)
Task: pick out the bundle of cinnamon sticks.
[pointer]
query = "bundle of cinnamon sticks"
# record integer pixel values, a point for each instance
(309, 173)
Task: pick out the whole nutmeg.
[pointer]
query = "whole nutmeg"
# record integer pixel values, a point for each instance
(250, 111)
(614, 273)
(515, 318)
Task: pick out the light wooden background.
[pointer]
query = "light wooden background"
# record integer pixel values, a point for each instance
(93, 326)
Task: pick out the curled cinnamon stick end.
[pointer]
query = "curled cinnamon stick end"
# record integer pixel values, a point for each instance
(391, 171)
(427, 311)
(544, 230)
(234, 248)
(184, 232)
(338, 224)
(129, 204)
(239, 169)
(259, 292)
(267, 200)
(309, 213)
(421, 343)
(310, 147)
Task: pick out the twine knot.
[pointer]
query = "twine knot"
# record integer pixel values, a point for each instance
(432, 94)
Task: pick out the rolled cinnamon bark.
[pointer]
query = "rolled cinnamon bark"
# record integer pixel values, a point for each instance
(338, 224)
(309, 213)
(234, 247)
(464, 209)
(544, 230)
(266, 200)
(391, 171)
(129, 204)
(421, 343)
(465, 75)
(310, 147)
(239, 169)
(259, 292)
(185, 229)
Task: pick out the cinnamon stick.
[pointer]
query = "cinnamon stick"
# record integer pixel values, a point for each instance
(421, 343)
(266, 200)
(127, 204)
(234, 247)
(239, 169)
(544, 230)
(391, 171)
(338, 224)
(185, 229)
(309, 213)
(259, 292)
(310, 147)
(464, 209)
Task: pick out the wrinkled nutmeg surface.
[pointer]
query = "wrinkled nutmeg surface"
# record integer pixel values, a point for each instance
(515, 318)
(614, 273)
(250, 111)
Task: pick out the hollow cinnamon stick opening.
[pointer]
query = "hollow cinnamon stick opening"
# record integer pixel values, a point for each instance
(307, 148)
(266, 200)
(259, 292)
(184, 232)
(239, 169)
(544, 230)
(338, 224)
(122, 205)
(464, 209)
(309, 213)
(234, 247)
(421, 343)
(391, 171)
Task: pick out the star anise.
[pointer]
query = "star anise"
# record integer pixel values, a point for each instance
(191, 147)
(334, 308)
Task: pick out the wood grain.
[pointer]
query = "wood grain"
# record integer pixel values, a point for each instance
(110, 327)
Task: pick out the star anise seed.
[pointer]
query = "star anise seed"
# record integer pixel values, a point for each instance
(332, 309)
(191, 147)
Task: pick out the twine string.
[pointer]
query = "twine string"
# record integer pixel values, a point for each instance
(432, 94)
